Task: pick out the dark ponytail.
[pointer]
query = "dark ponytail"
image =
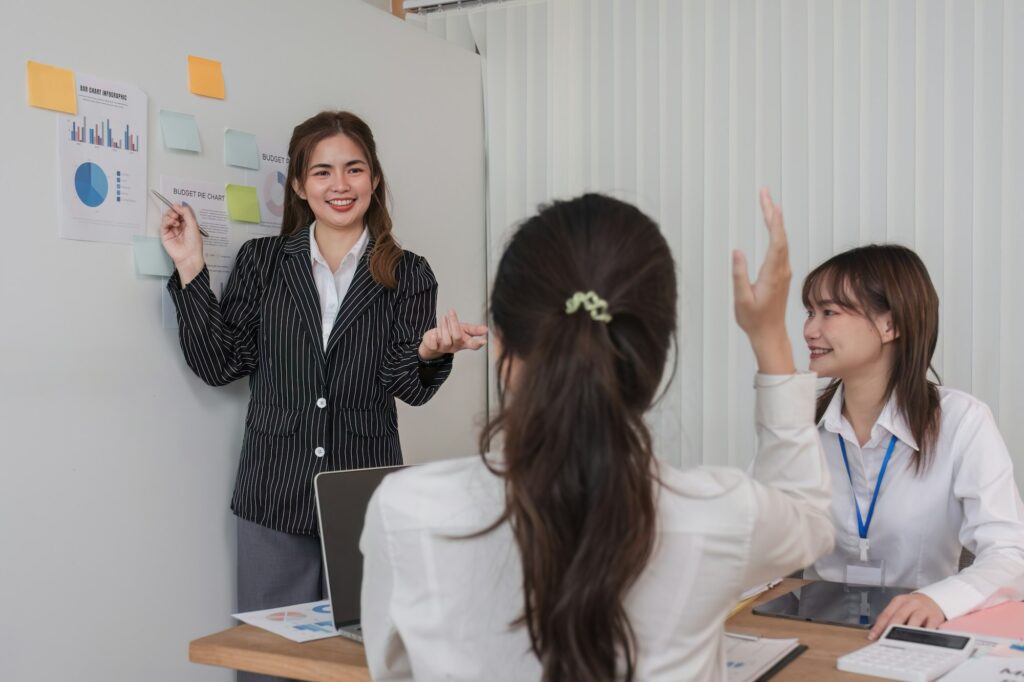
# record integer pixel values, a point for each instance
(578, 464)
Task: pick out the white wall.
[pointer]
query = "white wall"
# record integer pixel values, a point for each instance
(116, 463)
(874, 120)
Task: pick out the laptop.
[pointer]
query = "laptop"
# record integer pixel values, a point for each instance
(341, 501)
(820, 601)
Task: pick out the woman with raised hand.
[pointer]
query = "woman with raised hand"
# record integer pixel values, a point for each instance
(919, 470)
(570, 552)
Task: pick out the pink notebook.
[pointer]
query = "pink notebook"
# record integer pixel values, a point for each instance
(1005, 620)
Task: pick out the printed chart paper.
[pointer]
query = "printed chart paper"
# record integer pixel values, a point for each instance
(102, 163)
(299, 623)
(207, 201)
(269, 182)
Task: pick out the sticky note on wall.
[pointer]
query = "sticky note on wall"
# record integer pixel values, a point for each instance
(243, 203)
(205, 77)
(240, 149)
(179, 131)
(150, 257)
(51, 87)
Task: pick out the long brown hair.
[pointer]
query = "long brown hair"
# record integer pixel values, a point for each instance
(578, 462)
(888, 278)
(297, 213)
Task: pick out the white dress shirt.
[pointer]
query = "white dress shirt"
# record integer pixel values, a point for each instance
(437, 606)
(966, 498)
(332, 286)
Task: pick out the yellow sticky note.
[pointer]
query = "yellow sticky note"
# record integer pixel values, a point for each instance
(51, 87)
(205, 77)
(243, 204)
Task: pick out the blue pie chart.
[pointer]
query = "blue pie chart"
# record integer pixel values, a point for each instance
(91, 184)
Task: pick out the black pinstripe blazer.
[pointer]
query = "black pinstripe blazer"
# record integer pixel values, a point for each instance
(310, 410)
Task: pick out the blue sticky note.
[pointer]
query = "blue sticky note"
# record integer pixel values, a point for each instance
(179, 131)
(240, 149)
(150, 257)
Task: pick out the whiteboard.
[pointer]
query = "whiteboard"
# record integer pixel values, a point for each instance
(117, 462)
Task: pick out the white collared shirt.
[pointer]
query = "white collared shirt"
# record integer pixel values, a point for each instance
(966, 498)
(332, 286)
(436, 606)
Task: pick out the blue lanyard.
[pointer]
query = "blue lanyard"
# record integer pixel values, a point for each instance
(863, 526)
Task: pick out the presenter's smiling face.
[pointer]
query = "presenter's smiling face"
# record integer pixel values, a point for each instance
(338, 186)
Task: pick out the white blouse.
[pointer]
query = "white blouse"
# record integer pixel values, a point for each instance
(331, 287)
(439, 606)
(966, 498)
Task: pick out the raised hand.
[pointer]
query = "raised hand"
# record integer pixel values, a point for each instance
(761, 305)
(179, 233)
(451, 336)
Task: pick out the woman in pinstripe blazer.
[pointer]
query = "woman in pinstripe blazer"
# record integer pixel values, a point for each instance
(331, 321)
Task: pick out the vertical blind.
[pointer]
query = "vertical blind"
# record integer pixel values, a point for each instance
(873, 121)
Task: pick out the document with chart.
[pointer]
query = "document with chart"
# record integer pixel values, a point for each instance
(102, 163)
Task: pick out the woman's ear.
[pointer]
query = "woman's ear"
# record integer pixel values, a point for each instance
(376, 181)
(297, 188)
(886, 329)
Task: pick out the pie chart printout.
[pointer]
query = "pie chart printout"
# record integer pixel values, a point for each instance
(273, 192)
(91, 184)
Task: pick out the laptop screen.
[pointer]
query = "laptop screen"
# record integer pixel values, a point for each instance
(341, 501)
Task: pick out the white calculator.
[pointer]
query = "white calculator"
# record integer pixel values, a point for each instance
(909, 654)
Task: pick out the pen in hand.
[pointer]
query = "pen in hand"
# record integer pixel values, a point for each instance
(167, 201)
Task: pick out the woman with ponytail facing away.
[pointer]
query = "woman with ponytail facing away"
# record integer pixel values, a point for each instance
(568, 552)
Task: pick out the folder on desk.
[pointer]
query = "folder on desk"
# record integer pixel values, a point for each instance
(756, 659)
(1005, 620)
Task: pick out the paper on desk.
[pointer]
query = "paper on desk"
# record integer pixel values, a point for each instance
(994, 668)
(299, 623)
(747, 658)
(1004, 620)
(758, 589)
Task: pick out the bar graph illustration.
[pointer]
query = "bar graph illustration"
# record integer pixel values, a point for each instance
(102, 155)
(102, 134)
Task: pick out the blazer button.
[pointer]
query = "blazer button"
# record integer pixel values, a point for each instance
(319, 452)
(321, 403)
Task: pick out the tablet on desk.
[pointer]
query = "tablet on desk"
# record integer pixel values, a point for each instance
(820, 601)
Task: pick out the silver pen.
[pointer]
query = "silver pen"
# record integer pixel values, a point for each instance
(167, 201)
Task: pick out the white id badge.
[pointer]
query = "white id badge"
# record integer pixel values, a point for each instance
(866, 572)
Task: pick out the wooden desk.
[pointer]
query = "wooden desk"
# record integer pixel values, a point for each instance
(249, 648)
(825, 643)
(340, 660)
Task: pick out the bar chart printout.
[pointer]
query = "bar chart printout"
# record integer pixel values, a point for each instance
(102, 135)
(103, 162)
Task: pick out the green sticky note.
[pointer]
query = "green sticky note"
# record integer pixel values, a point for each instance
(150, 257)
(240, 149)
(243, 204)
(179, 131)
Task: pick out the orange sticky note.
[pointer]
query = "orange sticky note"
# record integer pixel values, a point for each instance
(51, 87)
(205, 77)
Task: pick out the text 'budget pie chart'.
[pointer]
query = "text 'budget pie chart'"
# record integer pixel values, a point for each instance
(91, 184)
